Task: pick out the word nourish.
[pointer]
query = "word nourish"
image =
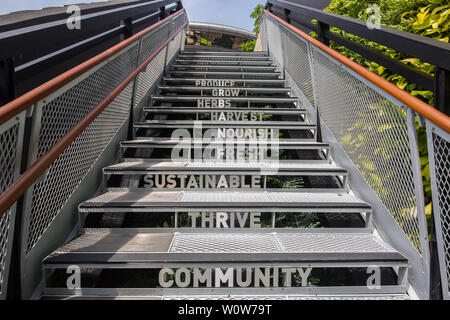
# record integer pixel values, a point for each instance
(268, 277)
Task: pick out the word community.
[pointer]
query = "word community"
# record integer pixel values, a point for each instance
(243, 277)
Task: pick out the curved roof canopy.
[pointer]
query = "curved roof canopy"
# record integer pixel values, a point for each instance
(219, 28)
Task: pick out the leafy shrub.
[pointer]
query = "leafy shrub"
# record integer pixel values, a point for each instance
(255, 15)
(429, 18)
(248, 46)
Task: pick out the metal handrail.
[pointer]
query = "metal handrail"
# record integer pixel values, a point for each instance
(18, 188)
(20, 104)
(432, 114)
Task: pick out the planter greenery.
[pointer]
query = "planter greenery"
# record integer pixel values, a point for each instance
(255, 15)
(429, 18)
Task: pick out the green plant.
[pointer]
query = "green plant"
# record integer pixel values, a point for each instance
(248, 46)
(255, 15)
(205, 42)
(429, 18)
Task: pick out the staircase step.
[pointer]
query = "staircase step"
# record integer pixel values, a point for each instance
(211, 248)
(227, 53)
(302, 144)
(240, 176)
(223, 62)
(225, 57)
(336, 296)
(211, 81)
(283, 167)
(209, 89)
(250, 99)
(208, 124)
(231, 74)
(196, 110)
(147, 201)
(225, 68)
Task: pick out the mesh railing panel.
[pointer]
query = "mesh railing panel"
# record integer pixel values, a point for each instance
(374, 134)
(172, 48)
(58, 117)
(440, 179)
(276, 46)
(149, 78)
(297, 64)
(8, 147)
(153, 41)
(60, 114)
(65, 174)
(372, 129)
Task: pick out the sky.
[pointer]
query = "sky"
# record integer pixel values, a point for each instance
(235, 13)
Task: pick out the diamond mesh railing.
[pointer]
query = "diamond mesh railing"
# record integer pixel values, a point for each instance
(11, 135)
(373, 134)
(114, 88)
(439, 154)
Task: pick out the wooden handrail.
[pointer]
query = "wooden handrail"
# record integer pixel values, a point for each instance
(20, 104)
(432, 114)
(18, 188)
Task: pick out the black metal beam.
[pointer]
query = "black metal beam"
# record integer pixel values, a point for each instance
(442, 90)
(36, 50)
(414, 75)
(7, 83)
(32, 35)
(426, 49)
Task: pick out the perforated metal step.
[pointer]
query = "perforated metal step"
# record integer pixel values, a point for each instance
(195, 110)
(226, 53)
(237, 82)
(223, 167)
(224, 68)
(224, 57)
(359, 249)
(206, 90)
(231, 74)
(252, 99)
(283, 143)
(224, 199)
(194, 60)
(166, 124)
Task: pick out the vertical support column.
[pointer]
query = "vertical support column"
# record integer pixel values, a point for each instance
(7, 85)
(287, 12)
(418, 190)
(321, 28)
(442, 90)
(179, 5)
(132, 114)
(162, 13)
(128, 23)
(438, 265)
(315, 94)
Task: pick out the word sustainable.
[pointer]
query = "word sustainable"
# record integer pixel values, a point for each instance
(242, 277)
(194, 181)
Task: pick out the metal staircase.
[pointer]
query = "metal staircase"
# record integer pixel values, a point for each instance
(219, 221)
